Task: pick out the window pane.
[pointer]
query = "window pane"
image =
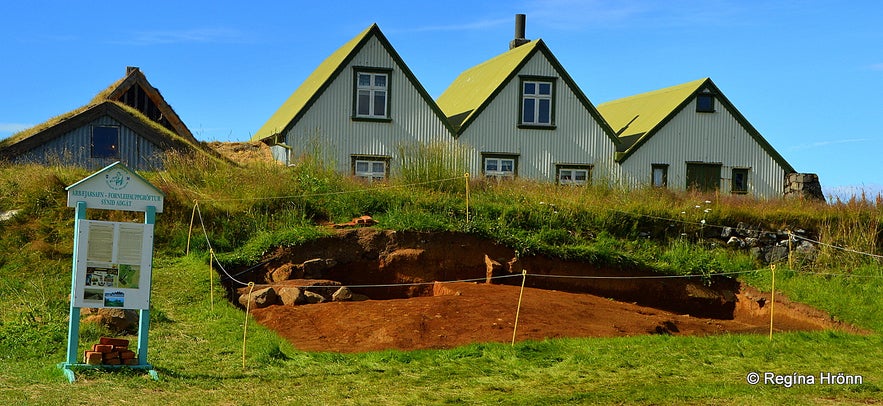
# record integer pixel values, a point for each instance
(658, 177)
(581, 175)
(490, 165)
(364, 80)
(361, 166)
(705, 103)
(105, 142)
(528, 115)
(380, 103)
(507, 165)
(566, 174)
(530, 88)
(380, 80)
(363, 104)
(377, 167)
(545, 88)
(545, 111)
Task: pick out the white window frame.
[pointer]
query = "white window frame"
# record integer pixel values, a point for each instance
(660, 181)
(377, 95)
(570, 175)
(369, 169)
(499, 162)
(538, 97)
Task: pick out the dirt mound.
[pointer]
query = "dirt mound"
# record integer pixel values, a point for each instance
(562, 299)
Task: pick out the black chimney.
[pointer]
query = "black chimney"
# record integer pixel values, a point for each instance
(519, 32)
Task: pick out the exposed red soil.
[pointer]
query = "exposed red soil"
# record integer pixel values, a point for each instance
(446, 315)
(472, 312)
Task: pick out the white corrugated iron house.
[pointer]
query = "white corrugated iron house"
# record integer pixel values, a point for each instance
(357, 108)
(691, 136)
(129, 122)
(522, 115)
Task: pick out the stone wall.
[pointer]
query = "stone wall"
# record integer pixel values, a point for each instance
(803, 185)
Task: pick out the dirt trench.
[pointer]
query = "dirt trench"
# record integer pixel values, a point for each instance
(417, 304)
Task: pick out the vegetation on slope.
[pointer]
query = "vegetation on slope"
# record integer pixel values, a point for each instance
(247, 210)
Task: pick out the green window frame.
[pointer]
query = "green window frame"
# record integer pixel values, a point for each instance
(371, 94)
(739, 181)
(705, 103)
(659, 175)
(536, 102)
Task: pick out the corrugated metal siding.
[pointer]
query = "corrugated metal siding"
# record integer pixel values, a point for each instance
(706, 137)
(577, 138)
(329, 122)
(74, 148)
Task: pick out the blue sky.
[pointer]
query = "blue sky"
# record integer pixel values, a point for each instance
(807, 74)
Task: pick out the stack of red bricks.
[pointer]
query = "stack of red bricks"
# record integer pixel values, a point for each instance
(111, 351)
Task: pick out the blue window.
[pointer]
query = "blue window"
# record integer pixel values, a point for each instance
(105, 142)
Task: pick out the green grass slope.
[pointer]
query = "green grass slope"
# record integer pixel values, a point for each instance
(197, 346)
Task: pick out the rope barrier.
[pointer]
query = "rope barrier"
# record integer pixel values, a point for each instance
(839, 248)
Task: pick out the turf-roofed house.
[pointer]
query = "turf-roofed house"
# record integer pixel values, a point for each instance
(522, 115)
(692, 136)
(355, 110)
(129, 122)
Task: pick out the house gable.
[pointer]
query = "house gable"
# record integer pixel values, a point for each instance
(477, 88)
(317, 83)
(135, 91)
(638, 118)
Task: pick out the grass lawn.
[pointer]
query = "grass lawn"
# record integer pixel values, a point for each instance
(197, 352)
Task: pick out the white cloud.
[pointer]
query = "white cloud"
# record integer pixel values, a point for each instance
(475, 25)
(196, 35)
(820, 144)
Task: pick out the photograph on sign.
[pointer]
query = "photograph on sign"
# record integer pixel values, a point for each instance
(115, 270)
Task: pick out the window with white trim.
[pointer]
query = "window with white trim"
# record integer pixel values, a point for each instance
(660, 175)
(499, 167)
(370, 169)
(372, 95)
(574, 175)
(536, 102)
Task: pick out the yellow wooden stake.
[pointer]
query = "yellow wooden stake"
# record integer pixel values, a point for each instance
(192, 216)
(772, 299)
(790, 251)
(518, 310)
(245, 326)
(466, 176)
(211, 279)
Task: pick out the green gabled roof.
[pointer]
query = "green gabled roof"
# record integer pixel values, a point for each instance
(312, 87)
(472, 91)
(464, 99)
(641, 113)
(635, 119)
